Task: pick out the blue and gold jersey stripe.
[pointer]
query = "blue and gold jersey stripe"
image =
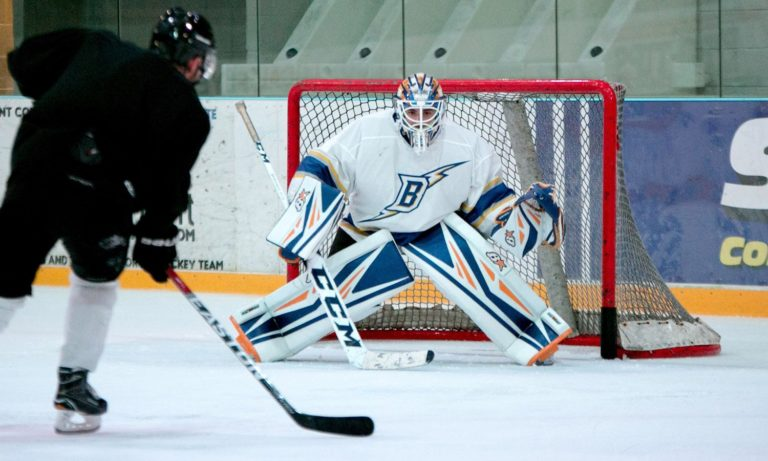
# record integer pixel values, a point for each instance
(319, 166)
(496, 191)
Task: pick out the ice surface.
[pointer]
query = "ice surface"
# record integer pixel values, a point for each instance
(176, 393)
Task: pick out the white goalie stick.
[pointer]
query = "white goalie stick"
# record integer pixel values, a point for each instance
(344, 425)
(345, 329)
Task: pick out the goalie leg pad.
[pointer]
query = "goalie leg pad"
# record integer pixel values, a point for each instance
(311, 216)
(292, 318)
(469, 272)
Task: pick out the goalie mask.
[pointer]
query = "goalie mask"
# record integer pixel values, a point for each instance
(181, 35)
(419, 109)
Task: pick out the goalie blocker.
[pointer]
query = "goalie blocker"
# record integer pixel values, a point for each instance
(311, 216)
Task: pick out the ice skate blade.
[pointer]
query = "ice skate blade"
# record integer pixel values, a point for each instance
(72, 422)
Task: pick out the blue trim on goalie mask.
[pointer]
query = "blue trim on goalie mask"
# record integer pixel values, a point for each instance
(315, 167)
(510, 312)
(489, 198)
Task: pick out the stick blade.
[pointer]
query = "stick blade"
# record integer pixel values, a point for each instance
(394, 360)
(342, 425)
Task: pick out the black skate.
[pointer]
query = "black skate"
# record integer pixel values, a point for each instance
(79, 408)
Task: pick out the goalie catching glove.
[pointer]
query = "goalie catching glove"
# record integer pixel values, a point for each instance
(535, 218)
(155, 249)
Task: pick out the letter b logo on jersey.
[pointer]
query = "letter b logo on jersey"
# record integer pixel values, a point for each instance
(412, 191)
(410, 194)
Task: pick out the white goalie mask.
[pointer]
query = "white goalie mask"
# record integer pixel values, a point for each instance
(419, 110)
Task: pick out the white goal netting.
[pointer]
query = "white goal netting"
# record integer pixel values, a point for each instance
(565, 133)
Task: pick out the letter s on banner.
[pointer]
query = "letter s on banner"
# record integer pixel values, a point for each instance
(749, 157)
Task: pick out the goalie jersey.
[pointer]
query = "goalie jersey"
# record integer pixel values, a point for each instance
(391, 187)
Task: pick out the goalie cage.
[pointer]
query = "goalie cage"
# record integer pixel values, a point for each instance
(564, 132)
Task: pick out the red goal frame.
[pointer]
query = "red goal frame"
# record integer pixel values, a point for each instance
(608, 326)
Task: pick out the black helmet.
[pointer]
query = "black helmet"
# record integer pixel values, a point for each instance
(181, 35)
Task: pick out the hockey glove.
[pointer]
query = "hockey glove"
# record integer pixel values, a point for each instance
(536, 218)
(155, 250)
(542, 197)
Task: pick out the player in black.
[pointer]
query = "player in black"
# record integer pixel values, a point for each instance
(114, 130)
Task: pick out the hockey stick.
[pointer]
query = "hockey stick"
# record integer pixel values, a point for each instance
(240, 106)
(337, 311)
(345, 425)
(346, 331)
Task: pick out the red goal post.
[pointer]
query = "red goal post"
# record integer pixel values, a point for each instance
(568, 128)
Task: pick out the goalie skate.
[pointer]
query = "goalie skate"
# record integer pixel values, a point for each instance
(79, 408)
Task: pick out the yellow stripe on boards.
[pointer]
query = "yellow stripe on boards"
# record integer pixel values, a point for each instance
(723, 301)
(696, 300)
(212, 282)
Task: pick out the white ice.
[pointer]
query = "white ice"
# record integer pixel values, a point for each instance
(176, 392)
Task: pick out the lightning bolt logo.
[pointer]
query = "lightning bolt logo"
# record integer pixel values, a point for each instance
(412, 191)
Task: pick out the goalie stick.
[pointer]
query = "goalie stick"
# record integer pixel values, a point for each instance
(345, 329)
(344, 425)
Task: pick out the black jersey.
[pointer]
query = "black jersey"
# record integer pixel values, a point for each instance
(145, 117)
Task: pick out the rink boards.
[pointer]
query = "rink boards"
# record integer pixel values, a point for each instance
(696, 172)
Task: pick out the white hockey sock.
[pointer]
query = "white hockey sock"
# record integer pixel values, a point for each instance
(8, 307)
(88, 315)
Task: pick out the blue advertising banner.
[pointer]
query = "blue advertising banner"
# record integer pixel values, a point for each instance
(697, 177)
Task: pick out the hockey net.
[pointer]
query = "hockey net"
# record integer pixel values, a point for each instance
(566, 133)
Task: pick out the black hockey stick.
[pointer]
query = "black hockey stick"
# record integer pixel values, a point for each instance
(345, 425)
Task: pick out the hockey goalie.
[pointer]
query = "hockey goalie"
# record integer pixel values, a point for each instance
(417, 184)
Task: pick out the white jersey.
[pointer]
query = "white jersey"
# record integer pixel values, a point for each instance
(390, 187)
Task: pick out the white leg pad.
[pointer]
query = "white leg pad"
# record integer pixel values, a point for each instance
(88, 316)
(8, 307)
(292, 318)
(468, 271)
